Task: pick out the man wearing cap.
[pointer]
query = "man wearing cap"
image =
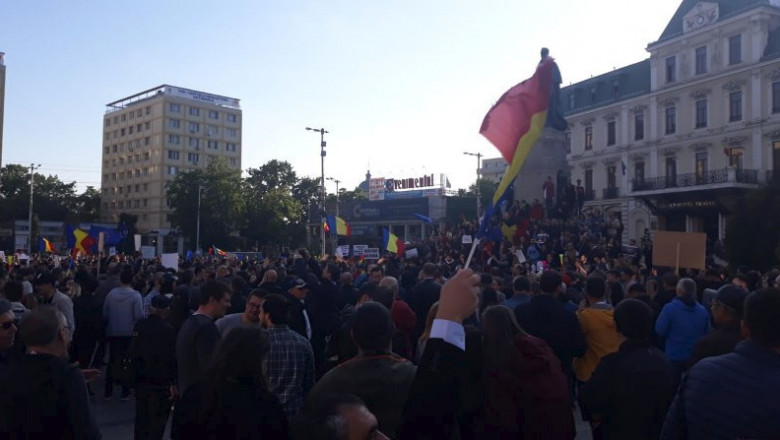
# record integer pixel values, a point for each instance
(50, 296)
(297, 290)
(726, 310)
(154, 360)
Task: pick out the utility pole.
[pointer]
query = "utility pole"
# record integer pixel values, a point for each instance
(479, 165)
(197, 225)
(337, 181)
(322, 132)
(33, 167)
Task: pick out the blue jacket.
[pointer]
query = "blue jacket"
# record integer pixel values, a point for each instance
(122, 309)
(681, 324)
(728, 397)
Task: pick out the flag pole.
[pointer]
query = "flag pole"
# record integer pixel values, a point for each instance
(471, 253)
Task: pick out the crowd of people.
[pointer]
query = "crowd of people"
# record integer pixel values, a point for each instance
(296, 347)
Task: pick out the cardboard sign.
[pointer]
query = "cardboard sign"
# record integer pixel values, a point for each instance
(170, 261)
(466, 239)
(147, 252)
(359, 250)
(411, 253)
(371, 254)
(137, 240)
(342, 251)
(679, 249)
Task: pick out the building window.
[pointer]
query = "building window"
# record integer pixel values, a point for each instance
(231, 117)
(701, 167)
(592, 95)
(173, 155)
(671, 120)
(130, 130)
(132, 115)
(639, 126)
(194, 111)
(735, 50)
(147, 125)
(735, 106)
(701, 113)
(213, 145)
(172, 171)
(233, 162)
(701, 60)
(108, 122)
(615, 89)
(639, 171)
(671, 69)
(212, 130)
(105, 150)
(735, 157)
(776, 97)
(230, 147)
(213, 114)
(145, 202)
(123, 117)
(588, 182)
(193, 157)
(122, 132)
(195, 143)
(231, 132)
(671, 171)
(194, 127)
(173, 139)
(148, 110)
(174, 123)
(174, 108)
(571, 101)
(147, 140)
(588, 138)
(611, 176)
(568, 142)
(610, 133)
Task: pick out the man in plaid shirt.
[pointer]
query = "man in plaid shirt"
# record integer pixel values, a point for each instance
(290, 361)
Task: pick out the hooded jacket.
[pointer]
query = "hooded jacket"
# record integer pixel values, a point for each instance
(122, 310)
(601, 337)
(681, 323)
(530, 399)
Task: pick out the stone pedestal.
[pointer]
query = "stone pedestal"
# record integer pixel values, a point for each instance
(548, 158)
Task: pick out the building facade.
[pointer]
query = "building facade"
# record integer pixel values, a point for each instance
(493, 169)
(673, 141)
(150, 137)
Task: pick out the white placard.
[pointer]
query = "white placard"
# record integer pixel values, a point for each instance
(2, 256)
(371, 254)
(342, 251)
(466, 239)
(137, 238)
(111, 251)
(170, 261)
(411, 253)
(359, 249)
(520, 256)
(147, 252)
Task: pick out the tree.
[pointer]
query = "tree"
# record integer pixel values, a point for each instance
(222, 206)
(88, 204)
(271, 208)
(752, 236)
(53, 199)
(486, 190)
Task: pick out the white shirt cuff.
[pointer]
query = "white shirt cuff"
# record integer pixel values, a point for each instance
(451, 332)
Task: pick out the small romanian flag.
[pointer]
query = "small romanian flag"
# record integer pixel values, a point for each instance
(217, 251)
(45, 245)
(337, 225)
(392, 242)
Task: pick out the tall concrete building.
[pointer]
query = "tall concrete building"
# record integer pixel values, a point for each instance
(150, 137)
(673, 141)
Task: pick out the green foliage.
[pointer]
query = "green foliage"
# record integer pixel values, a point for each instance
(752, 236)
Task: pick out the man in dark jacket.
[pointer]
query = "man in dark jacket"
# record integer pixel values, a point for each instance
(629, 392)
(546, 318)
(154, 360)
(321, 305)
(669, 290)
(425, 294)
(297, 290)
(726, 309)
(735, 395)
(41, 395)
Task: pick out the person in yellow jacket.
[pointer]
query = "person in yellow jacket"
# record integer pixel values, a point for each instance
(596, 317)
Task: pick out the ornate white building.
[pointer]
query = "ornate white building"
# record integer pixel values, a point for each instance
(673, 141)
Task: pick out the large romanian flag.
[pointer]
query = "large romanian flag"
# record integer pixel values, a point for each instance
(516, 121)
(392, 242)
(45, 245)
(337, 225)
(78, 240)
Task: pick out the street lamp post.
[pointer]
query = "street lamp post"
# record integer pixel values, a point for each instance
(479, 165)
(33, 167)
(337, 181)
(322, 132)
(197, 225)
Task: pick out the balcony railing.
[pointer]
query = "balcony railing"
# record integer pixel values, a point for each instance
(611, 193)
(694, 179)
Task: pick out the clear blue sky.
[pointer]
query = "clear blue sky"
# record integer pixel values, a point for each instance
(402, 85)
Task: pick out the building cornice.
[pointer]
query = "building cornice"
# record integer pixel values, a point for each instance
(700, 93)
(734, 85)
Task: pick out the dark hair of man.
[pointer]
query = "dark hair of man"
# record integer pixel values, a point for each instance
(669, 280)
(521, 284)
(429, 270)
(39, 327)
(237, 284)
(212, 289)
(372, 327)
(383, 295)
(239, 358)
(596, 287)
(323, 419)
(637, 289)
(634, 319)
(126, 275)
(377, 269)
(762, 317)
(277, 307)
(258, 293)
(550, 281)
(186, 276)
(13, 291)
(334, 271)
